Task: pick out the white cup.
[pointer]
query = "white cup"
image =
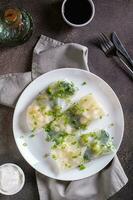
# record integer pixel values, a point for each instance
(77, 25)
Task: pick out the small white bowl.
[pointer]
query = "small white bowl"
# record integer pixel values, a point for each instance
(78, 25)
(22, 179)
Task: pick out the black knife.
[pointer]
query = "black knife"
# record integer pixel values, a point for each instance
(121, 49)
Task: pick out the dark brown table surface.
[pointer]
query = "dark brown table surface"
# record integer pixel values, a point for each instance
(114, 15)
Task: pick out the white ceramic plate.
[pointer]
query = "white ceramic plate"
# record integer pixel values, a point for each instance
(33, 149)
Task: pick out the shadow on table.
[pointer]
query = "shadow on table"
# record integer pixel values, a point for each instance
(53, 17)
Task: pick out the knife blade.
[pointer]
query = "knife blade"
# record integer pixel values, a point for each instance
(121, 49)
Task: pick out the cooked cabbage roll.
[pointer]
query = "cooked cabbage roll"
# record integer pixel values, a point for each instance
(77, 117)
(45, 108)
(82, 113)
(68, 153)
(98, 143)
(38, 117)
(72, 151)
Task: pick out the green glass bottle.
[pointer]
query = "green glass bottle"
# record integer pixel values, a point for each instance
(16, 26)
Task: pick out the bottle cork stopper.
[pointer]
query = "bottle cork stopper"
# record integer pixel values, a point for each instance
(12, 15)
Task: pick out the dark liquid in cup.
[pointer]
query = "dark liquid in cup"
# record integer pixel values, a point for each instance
(78, 11)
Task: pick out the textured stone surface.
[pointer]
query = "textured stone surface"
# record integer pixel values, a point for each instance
(114, 15)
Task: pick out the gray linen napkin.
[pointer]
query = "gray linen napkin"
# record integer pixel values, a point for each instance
(50, 54)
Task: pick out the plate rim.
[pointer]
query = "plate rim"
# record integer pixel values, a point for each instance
(73, 69)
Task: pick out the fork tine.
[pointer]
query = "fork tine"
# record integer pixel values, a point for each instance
(103, 43)
(106, 44)
(107, 39)
(104, 48)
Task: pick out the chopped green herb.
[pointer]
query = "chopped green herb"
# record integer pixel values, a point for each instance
(83, 126)
(48, 128)
(56, 111)
(85, 99)
(101, 117)
(33, 130)
(88, 154)
(32, 135)
(84, 139)
(46, 155)
(111, 124)
(48, 139)
(73, 115)
(67, 165)
(54, 157)
(54, 146)
(42, 108)
(35, 123)
(82, 167)
(61, 89)
(25, 144)
(84, 83)
(73, 143)
(74, 156)
(63, 147)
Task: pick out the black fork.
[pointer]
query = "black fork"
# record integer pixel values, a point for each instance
(106, 44)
